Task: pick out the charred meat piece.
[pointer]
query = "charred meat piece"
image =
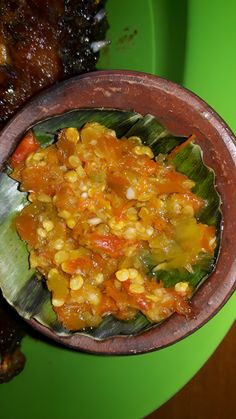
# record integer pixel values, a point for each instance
(11, 332)
(41, 42)
(83, 29)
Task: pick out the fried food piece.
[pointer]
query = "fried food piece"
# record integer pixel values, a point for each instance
(12, 361)
(44, 42)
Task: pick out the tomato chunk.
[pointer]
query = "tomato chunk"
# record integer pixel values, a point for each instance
(28, 145)
(109, 244)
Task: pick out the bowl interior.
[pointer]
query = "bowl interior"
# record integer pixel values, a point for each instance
(182, 113)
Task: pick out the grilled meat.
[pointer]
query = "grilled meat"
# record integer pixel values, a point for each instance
(11, 332)
(43, 42)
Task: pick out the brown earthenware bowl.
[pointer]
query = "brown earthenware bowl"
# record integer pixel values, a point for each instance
(182, 113)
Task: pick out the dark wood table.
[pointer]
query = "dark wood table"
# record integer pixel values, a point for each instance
(211, 393)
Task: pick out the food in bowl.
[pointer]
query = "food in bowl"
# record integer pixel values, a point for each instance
(113, 230)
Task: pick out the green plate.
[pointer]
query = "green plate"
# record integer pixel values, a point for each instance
(161, 37)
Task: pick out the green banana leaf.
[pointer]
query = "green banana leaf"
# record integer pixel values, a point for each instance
(24, 288)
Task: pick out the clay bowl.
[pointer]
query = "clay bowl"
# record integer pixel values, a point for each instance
(182, 113)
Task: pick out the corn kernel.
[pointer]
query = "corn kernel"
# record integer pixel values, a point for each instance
(132, 214)
(38, 156)
(99, 278)
(149, 231)
(52, 273)
(188, 210)
(72, 134)
(143, 213)
(136, 139)
(58, 244)
(153, 298)
(65, 267)
(48, 225)
(29, 159)
(93, 298)
(74, 161)
(71, 176)
(44, 198)
(136, 288)
(99, 153)
(58, 302)
(63, 168)
(116, 225)
(111, 132)
(133, 273)
(122, 275)
(146, 196)
(33, 260)
(140, 150)
(41, 232)
(138, 279)
(91, 192)
(75, 254)
(83, 187)
(139, 227)
(94, 221)
(84, 195)
(77, 298)
(159, 292)
(130, 233)
(80, 171)
(181, 287)
(64, 214)
(71, 222)
(175, 207)
(188, 183)
(130, 193)
(61, 256)
(130, 251)
(31, 197)
(124, 263)
(76, 282)
(117, 285)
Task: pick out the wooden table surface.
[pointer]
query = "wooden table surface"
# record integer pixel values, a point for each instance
(211, 393)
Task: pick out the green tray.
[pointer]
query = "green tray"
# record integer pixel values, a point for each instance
(188, 42)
